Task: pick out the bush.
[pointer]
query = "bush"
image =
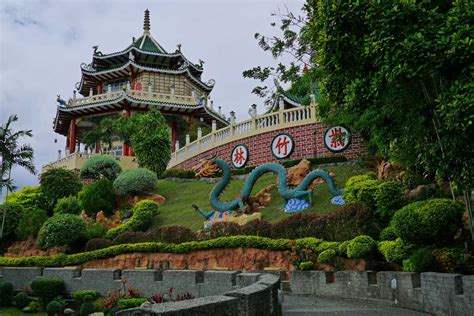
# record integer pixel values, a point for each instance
(342, 249)
(98, 196)
(21, 300)
(326, 256)
(54, 308)
(126, 303)
(57, 183)
(47, 289)
(29, 197)
(257, 228)
(421, 260)
(388, 233)
(171, 234)
(6, 293)
(395, 250)
(389, 197)
(361, 189)
(135, 181)
(130, 238)
(30, 223)
(141, 220)
(12, 219)
(96, 230)
(61, 230)
(224, 229)
(67, 205)
(453, 259)
(428, 222)
(361, 247)
(87, 307)
(98, 243)
(99, 167)
(81, 294)
(306, 265)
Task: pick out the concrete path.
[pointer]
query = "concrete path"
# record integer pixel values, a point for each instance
(295, 305)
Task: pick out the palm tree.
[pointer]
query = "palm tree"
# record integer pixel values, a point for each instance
(13, 155)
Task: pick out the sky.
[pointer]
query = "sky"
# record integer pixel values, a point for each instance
(43, 43)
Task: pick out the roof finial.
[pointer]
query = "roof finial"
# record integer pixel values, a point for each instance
(146, 22)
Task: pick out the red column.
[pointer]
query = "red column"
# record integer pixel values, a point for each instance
(97, 147)
(125, 147)
(174, 135)
(72, 136)
(99, 88)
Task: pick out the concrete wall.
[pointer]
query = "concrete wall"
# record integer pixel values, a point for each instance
(437, 293)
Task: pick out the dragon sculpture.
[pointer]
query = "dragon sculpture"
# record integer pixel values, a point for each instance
(299, 195)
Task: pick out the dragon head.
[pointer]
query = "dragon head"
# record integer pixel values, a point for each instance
(206, 168)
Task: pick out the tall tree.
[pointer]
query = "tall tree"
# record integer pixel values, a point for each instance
(13, 154)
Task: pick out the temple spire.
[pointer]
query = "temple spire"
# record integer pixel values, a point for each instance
(146, 22)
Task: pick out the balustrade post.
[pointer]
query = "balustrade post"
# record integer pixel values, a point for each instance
(214, 128)
(176, 146)
(313, 112)
(188, 139)
(281, 115)
(199, 133)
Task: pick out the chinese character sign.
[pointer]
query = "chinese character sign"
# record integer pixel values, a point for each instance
(282, 146)
(239, 156)
(337, 138)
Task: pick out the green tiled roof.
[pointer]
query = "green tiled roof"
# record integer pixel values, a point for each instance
(148, 45)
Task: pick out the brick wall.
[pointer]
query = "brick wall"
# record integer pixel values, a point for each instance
(308, 143)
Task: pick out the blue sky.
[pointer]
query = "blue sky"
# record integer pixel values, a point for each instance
(43, 43)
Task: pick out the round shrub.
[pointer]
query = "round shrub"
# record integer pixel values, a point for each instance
(171, 234)
(395, 250)
(61, 230)
(67, 205)
(98, 243)
(361, 189)
(224, 229)
(87, 307)
(361, 247)
(135, 181)
(98, 196)
(326, 256)
(306, 265)
(21, 300)
(6, 293)
(428, 222)
(57, 183)
(141, 220)
(12, 219)
(31, 222)
(47, 289)
(80, 295)
(388, 233)
(421, 260)
(54, 308)
(99, 167)
(389, 197)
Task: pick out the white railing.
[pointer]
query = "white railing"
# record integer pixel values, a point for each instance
(75, 161)
(260, 124)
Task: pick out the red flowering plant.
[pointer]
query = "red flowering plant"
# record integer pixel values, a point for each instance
(111, 299)
(299, 254)
(168, 297)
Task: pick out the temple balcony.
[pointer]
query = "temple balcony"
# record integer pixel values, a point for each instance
(76, 160)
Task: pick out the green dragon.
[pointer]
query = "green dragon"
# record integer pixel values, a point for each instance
(300, 192)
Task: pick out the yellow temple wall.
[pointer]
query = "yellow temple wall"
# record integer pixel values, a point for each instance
(162, 83)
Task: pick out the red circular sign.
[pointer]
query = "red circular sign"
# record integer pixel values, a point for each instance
(282, 146)
(337, 138)
(239, 156)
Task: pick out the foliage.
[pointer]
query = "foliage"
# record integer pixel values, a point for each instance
(361, 246)
(301, 251)
(395, 250)
(54, 308)
(257, 228)
(98, 167)
(61, 230)
(135, 181)
(30, 223)
(342, 249)
(306, 265)
(98, 196)
(178, 173)
(126, 303)
(421, 260)
(171, 234)
(34, 306)
(80, 295)
(67, 205)
(29, 197)
(131, 238)
(11, 215)
(151, 141)
(87, 307)
(6, 293)
(428, 222)
(388, 233)
(21, 300)
(57, 183)
(47, 289)
(389, 197)
(361, 189)
(97, 243)
(326, 256)
(96, 230)
(224, 229)
(453, 259)
(142, 217)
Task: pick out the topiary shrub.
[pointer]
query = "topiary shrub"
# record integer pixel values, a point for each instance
(141, 220)
(223, 229)
(61, 230)
(87, 307)
(421, 260)
(81, 294)
(388, 233)
(6, 293)
(130, 238)
(54, 308)
(257, 228)
(306, 265)
(395, 250)
(428, 222)
(30, 223)
(361, 247)
(135, 181)
(326, 256)
(99, 167)
(98, 243)
(67, 205)
(389, 197)
(57, 183)
(361, 189)
(47, 289)
(171, 234)
(21, 300)
(12, 219)
(98, 196)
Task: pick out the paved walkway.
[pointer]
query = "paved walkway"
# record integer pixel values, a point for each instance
(295, 305)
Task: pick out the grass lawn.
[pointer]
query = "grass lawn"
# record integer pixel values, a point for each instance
(177, 209)
(12, 311)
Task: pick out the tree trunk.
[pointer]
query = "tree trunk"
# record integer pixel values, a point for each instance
(468, 202)
(5, 205)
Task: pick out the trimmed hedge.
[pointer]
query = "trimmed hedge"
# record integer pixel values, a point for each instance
(361, 247)
(126, 303)
(135, 181)
(99, 167)
(395, 250)
(80, 295)
(61, 230)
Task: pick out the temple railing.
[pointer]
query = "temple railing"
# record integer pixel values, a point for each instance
(77, 159)
(259, 124)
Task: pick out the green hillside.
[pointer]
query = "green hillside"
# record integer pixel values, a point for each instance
(180, 196)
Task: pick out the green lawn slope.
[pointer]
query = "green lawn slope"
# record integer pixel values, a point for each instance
(180, 196)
